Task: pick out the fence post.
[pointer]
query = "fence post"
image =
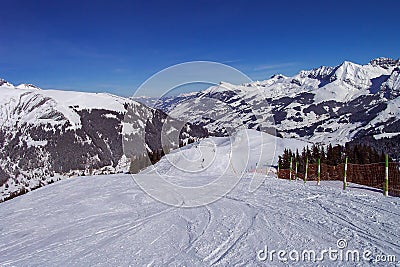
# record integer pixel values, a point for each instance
(277, 174)
(291, 167)
(386, 185)
(305, 176)
(345, 175)
(319, 171)
(295, 175)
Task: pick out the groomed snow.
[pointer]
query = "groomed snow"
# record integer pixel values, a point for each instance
(110, 221)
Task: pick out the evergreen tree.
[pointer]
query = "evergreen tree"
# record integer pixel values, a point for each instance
(322, 154)
(357, 154)
(315, 153)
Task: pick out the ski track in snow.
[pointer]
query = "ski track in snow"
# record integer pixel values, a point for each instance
(108, 220)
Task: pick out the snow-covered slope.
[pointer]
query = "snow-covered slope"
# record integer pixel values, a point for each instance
(244, 151)
(46, 135)
(109, 220)
(327, 104)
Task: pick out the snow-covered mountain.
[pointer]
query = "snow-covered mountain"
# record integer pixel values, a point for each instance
(46, 135)
(49, 134)
(348, 102)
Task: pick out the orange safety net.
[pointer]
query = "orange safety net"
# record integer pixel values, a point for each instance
(372, 175)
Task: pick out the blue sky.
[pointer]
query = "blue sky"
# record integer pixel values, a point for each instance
(115, 46)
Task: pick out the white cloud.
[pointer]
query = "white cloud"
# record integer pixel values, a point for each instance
(274, 66)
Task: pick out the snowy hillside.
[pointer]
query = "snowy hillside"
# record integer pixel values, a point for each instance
(109, 220)
(245, 151)
(46, 135)
(327, 104)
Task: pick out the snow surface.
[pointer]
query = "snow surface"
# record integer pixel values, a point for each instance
(109, 220)
(258, 150)
(385, 135)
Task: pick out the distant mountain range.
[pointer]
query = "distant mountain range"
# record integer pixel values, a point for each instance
(339, 104)
(47, 135)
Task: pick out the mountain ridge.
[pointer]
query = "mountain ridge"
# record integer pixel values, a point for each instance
(323, 105)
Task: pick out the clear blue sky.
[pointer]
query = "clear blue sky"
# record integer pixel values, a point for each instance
(114, 46)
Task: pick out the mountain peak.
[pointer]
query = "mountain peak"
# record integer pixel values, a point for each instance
(278, 76)
(4, 83)
(347, 63)
(27, 86)
(385, 62)
(317, 73)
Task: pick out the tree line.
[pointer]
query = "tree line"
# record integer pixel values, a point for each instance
(331, 155)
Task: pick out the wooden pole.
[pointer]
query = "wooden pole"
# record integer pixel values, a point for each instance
(305, 176)
(345, 175)
(319, 171)
(386, 186)
(278, 171)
